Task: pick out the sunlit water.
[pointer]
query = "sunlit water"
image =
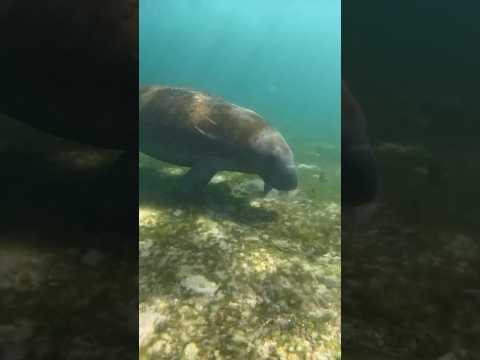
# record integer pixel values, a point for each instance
(236, 274)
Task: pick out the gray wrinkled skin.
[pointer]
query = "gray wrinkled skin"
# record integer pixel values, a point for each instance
(190, 128)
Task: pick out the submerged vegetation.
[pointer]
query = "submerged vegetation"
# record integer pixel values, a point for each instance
(68, 271)
(232, 274)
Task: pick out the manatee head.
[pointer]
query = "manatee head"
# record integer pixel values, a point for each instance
(275, 163)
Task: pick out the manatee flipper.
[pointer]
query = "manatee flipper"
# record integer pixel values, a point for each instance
(197, 178)
(267, 187)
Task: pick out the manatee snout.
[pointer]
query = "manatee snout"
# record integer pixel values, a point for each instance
(283, 178)
(278, 169)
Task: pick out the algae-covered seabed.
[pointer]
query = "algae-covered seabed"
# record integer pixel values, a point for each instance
(68, 279)
(67, 288)
(234, 275)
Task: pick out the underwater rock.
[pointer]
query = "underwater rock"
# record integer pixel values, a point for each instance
(150, 324)
(272, 195)
(190, 352)
(284, 323)
(200, 285)
(321, 315)
(177, 212)
(144, 247)
(20, 272)
(160, 348)
(255, 203)
(282, 195)
(217, 179)
(26, 281)
(267, 349)
(249, 187)
(150, 218)
(176, 171)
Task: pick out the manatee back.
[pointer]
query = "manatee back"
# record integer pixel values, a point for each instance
(184, 125)
(165, 106)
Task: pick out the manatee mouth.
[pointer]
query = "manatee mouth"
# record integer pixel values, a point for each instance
(288, 184)
(284, 181)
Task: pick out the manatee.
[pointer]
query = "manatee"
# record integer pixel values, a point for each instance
(190, 128)
(359, 169)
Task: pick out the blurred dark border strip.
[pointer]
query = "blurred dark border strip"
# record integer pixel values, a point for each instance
(410, 256)
(69, 179)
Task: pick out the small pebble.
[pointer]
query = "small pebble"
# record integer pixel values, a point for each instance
(190, 352)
